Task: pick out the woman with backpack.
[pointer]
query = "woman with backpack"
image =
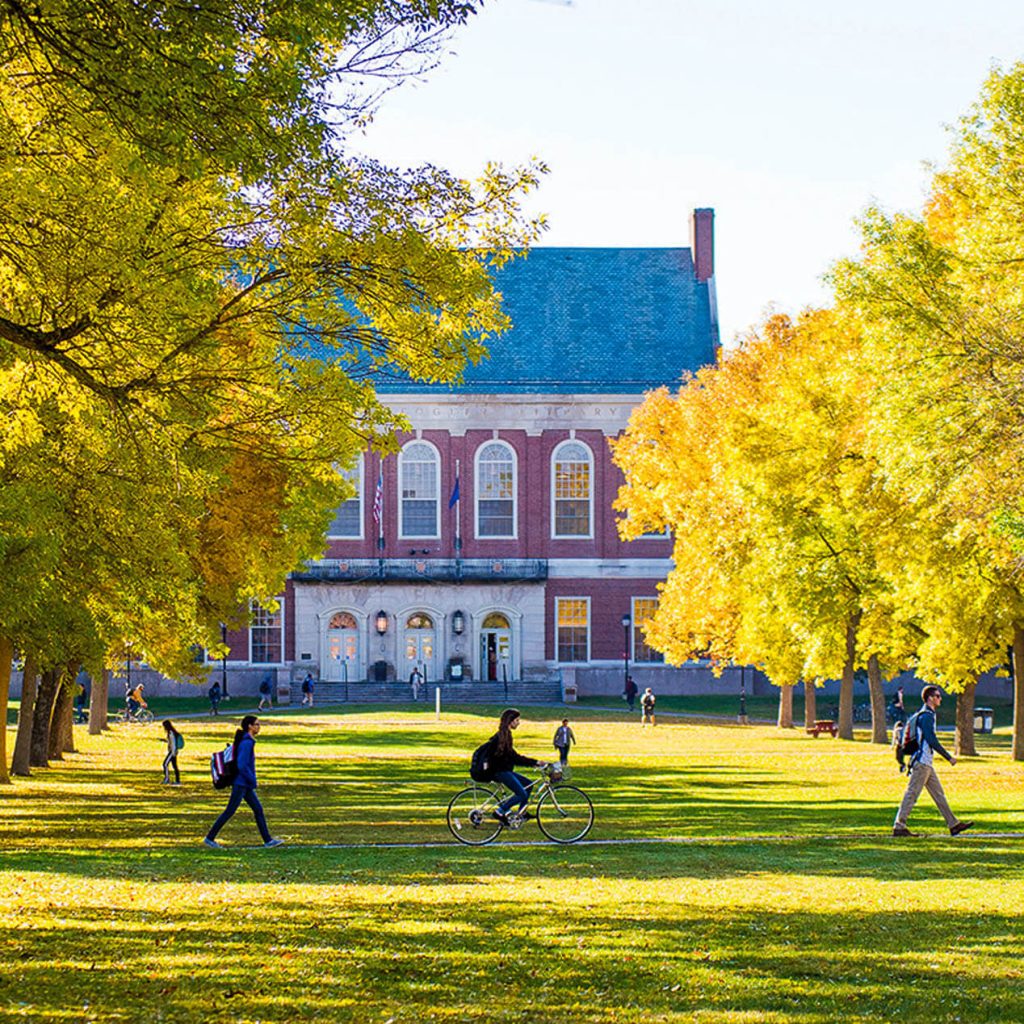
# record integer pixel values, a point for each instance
(244, 786)
(502, 757)
(175, 741)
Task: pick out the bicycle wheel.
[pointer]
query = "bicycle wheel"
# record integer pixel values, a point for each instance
(145, 716)
(565, 814)
(471, 815)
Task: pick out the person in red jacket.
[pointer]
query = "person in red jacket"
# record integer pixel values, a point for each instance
(504, 757)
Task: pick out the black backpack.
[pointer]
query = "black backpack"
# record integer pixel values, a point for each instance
(904, 741)
(480, 764)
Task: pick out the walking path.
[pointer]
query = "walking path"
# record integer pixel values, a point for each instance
(652, 841)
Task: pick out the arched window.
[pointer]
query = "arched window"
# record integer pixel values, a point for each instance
(348, 520)
(418, 471)
(495, 490)
(342, 620)
(572, 490)
(495, 620)
(419, 620)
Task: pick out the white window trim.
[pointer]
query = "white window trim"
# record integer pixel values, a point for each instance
(590, 501)
(590, 631)
(361, 478)
(514, 535)
(437, 501)
(284, 634)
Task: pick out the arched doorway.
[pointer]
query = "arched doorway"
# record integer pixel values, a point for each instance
(342, 649)
(495, 649)
(420, 644)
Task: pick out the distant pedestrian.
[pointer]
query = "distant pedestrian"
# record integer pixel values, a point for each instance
(82, 682)
(244, 786)
(214, 695)
(899, 711)
(416, 681)
(175, 741)
(308, 686)
(922, 774)
(564, 738)
(266, 693)
(630, 692)
(647, 708)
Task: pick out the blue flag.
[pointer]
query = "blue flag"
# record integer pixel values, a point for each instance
(453, 500)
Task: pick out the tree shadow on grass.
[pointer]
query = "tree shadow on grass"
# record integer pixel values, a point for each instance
(589, 953)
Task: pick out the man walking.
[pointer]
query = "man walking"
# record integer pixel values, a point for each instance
(922, 774)
(564, 738)
(630, 692)
(647, 708)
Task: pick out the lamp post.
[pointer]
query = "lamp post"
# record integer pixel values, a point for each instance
(741, 718)
(224, 662)
(626, 622)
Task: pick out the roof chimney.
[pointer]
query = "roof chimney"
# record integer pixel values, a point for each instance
(703, 243)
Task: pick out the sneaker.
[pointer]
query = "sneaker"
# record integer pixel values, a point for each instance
(212, 844)
(902, 830)
(961, 826)
(274, 842)
(500, 816)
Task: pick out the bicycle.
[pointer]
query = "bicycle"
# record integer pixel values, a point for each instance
(140, 716)
(563, 813)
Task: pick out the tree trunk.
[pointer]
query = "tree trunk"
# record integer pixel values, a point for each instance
(6, 657)
(26, 715)
(879, 732)
(786, 707)
(61, 731)
(846, 688)
(41, 718)
(1017, 750)
(810, 703)
(98, 694)
(963, 742)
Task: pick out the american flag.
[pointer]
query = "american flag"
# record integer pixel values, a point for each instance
(378, 497)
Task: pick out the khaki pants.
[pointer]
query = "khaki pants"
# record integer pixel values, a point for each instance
(922, 776)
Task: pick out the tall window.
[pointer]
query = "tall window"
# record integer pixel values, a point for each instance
(418, 472)
(265, 635)
(573, 472)
(572, 629)
(495, 491)
(348, 520)
(643, 610)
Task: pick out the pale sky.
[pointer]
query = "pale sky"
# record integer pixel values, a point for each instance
(787, 117)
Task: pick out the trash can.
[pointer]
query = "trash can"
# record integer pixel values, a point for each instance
(982, 719)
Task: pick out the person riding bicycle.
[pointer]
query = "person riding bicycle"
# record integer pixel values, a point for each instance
(134, 700)
(503, 757)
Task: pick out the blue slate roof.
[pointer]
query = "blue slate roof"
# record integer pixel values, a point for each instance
(593, 320)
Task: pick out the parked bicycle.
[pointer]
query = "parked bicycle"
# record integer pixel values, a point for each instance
(563, 813)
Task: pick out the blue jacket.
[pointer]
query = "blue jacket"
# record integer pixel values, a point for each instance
(925, 721)
(245, 758)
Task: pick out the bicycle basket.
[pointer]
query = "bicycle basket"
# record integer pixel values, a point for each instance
(557, 774)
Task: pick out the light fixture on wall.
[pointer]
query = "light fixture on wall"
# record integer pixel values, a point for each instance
(458, 623)
(381, 622)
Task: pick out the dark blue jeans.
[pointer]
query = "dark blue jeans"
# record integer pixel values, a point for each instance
(517, 783)
(238, 794)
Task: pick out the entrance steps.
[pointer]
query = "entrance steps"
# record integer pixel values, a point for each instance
(545, 691)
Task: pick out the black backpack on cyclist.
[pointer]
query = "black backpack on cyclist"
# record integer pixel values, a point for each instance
(480, 765)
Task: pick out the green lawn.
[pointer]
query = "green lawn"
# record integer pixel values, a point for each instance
(786, 901)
